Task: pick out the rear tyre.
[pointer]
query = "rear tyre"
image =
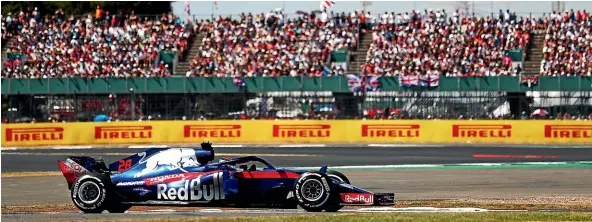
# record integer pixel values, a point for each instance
(314, 191)
(89, 194)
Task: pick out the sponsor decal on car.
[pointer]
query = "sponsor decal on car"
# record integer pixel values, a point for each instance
(194, 190)
(482, 131)
(71, 170)
(164, 179)
(34, 134)
(304, 131)
(357, 198)
(123, 132)
(142, 191)
(173, 158)
(390, 130)
(130, 183)
(568, 131)
(215, 131)
(176, 177)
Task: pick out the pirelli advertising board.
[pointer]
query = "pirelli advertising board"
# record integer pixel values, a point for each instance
(302, 131)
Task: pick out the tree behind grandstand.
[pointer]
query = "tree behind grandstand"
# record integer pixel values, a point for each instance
(49, 7)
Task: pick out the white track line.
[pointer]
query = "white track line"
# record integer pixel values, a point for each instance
(147, 146)
(420, 209)
(302, 145)
(442, 165)
(403, 145)
(51, 148)
(227, 146)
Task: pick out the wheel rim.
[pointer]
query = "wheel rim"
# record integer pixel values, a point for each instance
(89, 192)
(312, 190)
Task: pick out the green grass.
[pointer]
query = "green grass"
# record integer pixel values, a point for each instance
(370, 217)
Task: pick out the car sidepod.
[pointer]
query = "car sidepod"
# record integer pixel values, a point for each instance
(267, 188)
(180, 188)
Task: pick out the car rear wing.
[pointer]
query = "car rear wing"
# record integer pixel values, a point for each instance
(75, 166)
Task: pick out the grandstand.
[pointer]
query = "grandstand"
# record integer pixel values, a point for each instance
(310, 44)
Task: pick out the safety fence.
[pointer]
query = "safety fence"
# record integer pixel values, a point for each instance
(336, 84)
(288, 131)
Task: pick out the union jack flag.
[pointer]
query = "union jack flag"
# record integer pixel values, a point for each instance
(374, 83)
(429, 80)
(357, 83)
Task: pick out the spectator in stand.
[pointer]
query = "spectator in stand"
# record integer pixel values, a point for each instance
(459, 46)
(271, 45)
(94, 46)
(568, 45)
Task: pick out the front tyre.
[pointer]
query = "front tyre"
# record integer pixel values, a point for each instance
(338, 176)
(314, 191)
(89, 194)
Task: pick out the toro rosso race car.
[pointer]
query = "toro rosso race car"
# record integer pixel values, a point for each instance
(185, 177)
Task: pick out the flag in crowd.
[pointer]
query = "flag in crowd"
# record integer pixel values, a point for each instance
(429, 80)
(326, 5)
(423, 81)
(187, 9)
(408, 81)
(238, 82)
(357, 83)
(529, 80)
(374, 84)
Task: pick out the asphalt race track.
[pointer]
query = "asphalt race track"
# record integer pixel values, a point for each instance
(46, 159)
(408, 184)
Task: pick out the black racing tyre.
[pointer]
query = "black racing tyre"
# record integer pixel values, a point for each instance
(89, 194)
(314, 192)
(336, 206)
(338, 175)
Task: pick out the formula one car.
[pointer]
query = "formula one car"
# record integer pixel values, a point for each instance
(185, 177)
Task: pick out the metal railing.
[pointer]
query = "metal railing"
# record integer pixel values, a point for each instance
(292, 104)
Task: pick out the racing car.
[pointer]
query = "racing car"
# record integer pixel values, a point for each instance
(190, 177)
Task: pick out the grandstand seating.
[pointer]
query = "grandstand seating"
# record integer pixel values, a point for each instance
(271, 44)
(98, 45)
(568, 44)
(433, 43)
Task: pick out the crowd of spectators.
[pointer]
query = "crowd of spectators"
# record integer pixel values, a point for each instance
(433, 42)
(105, 44)
(272, 44)
(567, 48)
(97, 44)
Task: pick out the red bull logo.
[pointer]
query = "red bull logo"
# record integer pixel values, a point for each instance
(305, 131)
(568, 131)
(357, 198)
(482, 131)
(390, 130)
(216, 131)
(34, 134)
(123, 132)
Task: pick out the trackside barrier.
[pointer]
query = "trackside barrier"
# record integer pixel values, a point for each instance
(299, 131)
